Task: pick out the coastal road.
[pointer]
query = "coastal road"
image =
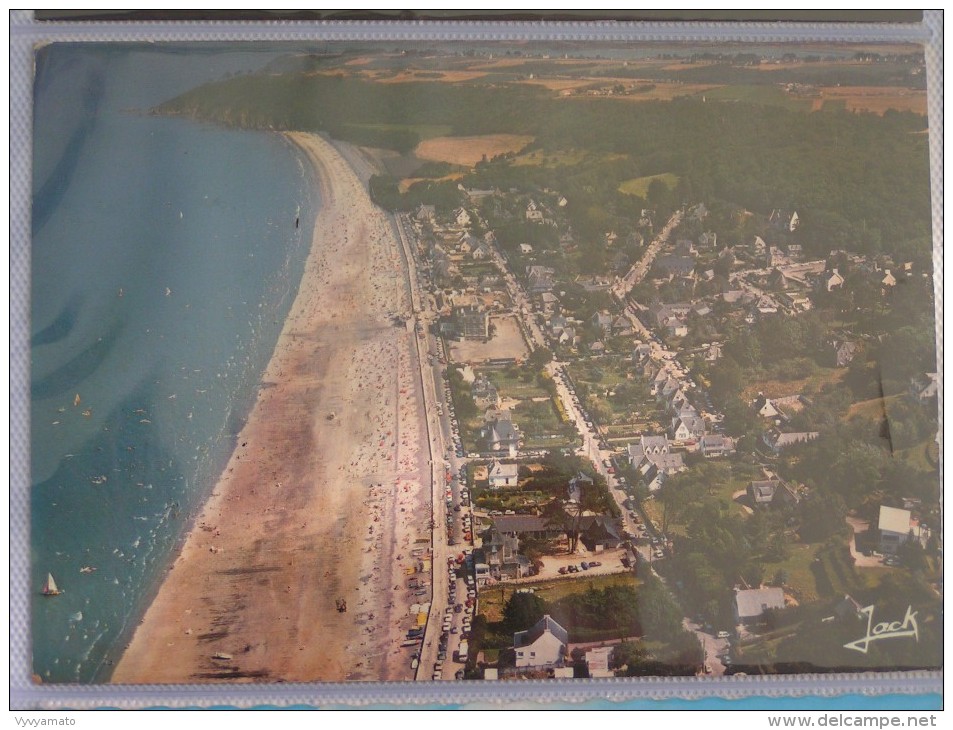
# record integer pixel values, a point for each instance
(430, 396)
(443, 460)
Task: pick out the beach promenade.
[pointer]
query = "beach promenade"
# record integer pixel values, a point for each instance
(327, 493)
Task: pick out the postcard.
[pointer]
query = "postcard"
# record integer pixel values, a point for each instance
(455, 361)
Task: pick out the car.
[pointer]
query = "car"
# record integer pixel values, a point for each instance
(595, 564)
(573, 569)
(723, 635)
(585, 565)
(563, 570)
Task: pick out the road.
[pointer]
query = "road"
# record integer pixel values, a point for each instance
(443, 463)
(521, 303)
(446, 493)
(434, 435)
(641, 267)
(714, 647)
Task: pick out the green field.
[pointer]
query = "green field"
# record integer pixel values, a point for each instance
(826, 571)
(639, 186)
(493, 599)
(922, 456)
(552, 158)
(510, 384)
(764, 94)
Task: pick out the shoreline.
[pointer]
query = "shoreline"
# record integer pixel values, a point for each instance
(322, 498)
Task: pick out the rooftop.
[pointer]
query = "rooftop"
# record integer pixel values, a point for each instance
(894, 520)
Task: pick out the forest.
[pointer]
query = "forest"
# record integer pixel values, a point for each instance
(864, 177)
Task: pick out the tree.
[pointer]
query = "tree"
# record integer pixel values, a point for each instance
(539, 358)
(822, 515)
(628, 653)
(522, 611)
(727, 380)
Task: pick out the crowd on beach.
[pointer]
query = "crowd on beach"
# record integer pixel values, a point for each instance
(332, 457)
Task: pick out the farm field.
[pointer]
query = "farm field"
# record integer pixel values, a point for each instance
(470, 150)
(873, 99)
(803, 386)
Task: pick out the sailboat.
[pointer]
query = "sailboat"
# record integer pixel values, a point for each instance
(49, 587)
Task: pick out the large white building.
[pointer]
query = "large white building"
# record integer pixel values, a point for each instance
(544, 645)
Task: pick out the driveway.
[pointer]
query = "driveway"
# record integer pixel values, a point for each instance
(713, 647)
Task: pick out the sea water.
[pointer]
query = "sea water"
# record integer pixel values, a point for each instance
(165, 256)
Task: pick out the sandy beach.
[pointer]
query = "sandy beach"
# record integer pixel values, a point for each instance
(323, 497)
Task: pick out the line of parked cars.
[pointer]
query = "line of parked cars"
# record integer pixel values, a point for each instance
(584, 565)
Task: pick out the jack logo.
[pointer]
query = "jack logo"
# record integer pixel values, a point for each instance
(886, 629)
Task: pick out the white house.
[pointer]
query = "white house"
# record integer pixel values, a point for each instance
(764, 407)
(688, 428)
(544, 645)
(895, 527)
(597, 660)
(751, 604)
(461, 217)
(503, 475)
(834, 281)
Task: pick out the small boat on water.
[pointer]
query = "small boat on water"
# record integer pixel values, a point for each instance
(87, 569)
(49, 587)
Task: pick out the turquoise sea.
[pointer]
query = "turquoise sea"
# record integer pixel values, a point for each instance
(165, 256)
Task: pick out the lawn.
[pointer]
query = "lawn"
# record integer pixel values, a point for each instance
(873, 409)
(639, 186)
(800, 576)
(821, 571)
(510, 383)
(493, 599)
(539, 423)
(922, 456)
